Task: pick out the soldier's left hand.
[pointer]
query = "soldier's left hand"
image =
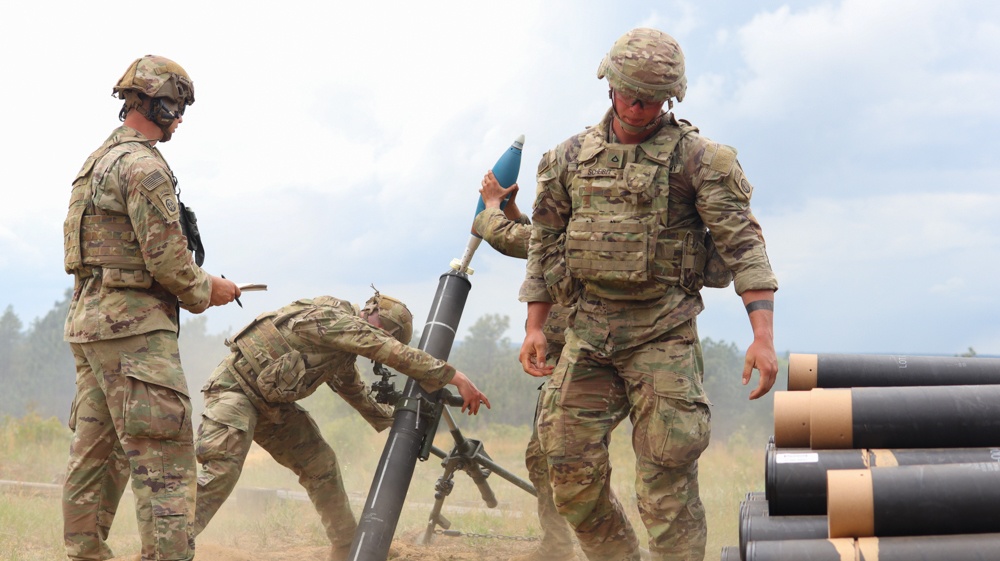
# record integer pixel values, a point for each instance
(472, 398)
(761, 356)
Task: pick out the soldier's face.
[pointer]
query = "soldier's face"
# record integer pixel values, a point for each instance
(374, 319)
(634, 111)
(173, 126)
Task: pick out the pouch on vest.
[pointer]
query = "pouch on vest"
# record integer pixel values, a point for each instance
(615, 250)
(692, 276)
(560, 284)
(283, 380)
(124, 278)
(717, 274)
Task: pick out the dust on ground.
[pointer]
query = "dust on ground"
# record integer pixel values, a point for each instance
(404, 548)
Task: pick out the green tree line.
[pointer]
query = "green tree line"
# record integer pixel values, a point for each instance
(38, 369)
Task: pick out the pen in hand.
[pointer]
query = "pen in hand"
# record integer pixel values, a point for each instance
(238, 303)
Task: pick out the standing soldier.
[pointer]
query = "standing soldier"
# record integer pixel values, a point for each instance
(126, 246)
(619, 231)
(508, 232)
(284, 356)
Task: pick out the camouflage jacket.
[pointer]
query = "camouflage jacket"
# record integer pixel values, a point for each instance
(285, 355)
(637, 215)
(128, 181)
(509, 237)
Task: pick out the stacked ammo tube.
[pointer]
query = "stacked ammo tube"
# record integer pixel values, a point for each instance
(880, 458)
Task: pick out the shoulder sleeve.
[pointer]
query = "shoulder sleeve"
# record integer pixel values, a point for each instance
(351, 334)
(723, 201)
(552, 211)
(155, 216)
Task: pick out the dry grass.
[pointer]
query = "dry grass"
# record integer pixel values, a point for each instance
(34, 449)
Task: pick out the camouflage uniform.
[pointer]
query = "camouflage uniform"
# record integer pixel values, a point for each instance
(279, 358)
(133, 270)
(620, 231)
(510, 237)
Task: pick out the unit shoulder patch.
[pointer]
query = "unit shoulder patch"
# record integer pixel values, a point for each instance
(159, 190)
(719, 158)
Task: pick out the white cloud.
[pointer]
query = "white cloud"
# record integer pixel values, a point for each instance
(331, 147)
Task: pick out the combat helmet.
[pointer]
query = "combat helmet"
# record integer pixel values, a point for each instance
(646, 64)
(161, 80)
(395, 316)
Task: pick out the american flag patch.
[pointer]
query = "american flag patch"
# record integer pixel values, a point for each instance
(154, 180)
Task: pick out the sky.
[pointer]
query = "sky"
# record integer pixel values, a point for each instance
(334, 146)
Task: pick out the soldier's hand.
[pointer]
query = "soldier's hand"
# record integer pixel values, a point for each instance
(493, 194)
(761, 355)
(224, 291)
(511, 211)
(472, 398)
(533, 354)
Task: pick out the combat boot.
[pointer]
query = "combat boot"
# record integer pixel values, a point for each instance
(339, 553)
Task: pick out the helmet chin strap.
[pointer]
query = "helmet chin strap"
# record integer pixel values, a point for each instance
(160, 114)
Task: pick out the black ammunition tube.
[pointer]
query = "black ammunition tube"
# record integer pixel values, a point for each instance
(778, 528)
(962, 547)
(905, 417)
(808, 371)
(800, 550)
(754, 504)
(795, 478)
(731, 553)
(969, 547)
(914, 500)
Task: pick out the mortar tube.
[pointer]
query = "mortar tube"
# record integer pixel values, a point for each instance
(410, 428)
(808, 371)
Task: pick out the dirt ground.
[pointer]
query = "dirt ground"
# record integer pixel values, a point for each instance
(442, 548)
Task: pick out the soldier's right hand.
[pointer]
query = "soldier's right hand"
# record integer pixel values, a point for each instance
(533, 354)
(472, 398)
(224, 291)
(493, 194)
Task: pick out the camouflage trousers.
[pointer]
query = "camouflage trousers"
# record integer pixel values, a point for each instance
(230, 423)
(658, 385)
(131, 415)
(557, 536)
